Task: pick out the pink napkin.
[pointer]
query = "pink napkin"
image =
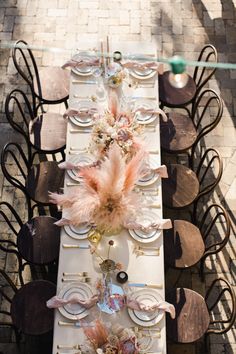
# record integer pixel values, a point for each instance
(71, 112)
(67, 165)
(81, 62)
(162, 305)
(161, 224)
(140, 66)
(153, 111)
(56, 302)
(162, 171)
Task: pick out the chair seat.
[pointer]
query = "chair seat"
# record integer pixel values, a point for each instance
(48, 132)
(192, 317)
(178, 134)
(39, 239)
(28, 309)
(43, 178)
(55, 83)
(183, 245)
(175, 97)
(181, 188)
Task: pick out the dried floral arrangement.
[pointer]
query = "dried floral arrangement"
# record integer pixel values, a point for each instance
(116, 340)
(105, 198)
(115, 126)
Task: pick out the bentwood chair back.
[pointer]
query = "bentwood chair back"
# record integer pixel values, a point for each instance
(202, 313)
(180, 133)
(185, 187)
(34, 181)
(38, 131)
(187, 244)
(182, 97)
(49, 85)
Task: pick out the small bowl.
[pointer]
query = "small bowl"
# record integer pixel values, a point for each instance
(117, 56)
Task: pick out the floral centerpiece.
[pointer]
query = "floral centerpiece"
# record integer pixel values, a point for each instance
(115, 127)
(116, 340)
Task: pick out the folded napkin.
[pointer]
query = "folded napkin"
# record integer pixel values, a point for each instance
(161, 171)
(67, 165)
(161, 224)
(56, 302)
(71, 112)
(81, 62)
(140, 66)
(152, 111)
(160, 305)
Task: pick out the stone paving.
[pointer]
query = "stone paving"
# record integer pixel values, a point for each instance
(177, 27)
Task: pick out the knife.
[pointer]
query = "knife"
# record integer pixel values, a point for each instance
(74, 324)
(145, 285)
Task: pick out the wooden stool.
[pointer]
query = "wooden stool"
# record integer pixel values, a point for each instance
(183, 245)
(29, 312)
(43, 178)
(192, 316)
(38, 241)
(181, 188)
(178, 134)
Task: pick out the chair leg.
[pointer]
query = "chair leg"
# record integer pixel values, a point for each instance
(201, 270)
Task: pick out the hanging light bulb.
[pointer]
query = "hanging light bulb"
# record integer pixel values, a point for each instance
(177, 77)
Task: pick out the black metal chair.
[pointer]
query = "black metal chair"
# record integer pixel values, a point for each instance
(186, 244)
(181, 97)
(34, 181)
(180, 133)
(44, 133)
(196, 316)
(48, 85)
(28, 311)
(184, 187)
(36, 242)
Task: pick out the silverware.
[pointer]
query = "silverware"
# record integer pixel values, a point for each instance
(149, 329)
(71, 280)
(154, 152)
(74, 324)
(146, 285)
(69, 184)
(148, 248)
(145, 253)
(73, 148)
(61, 346)
(83, 274)
(155, 206)
(64, 245)
(90, 82)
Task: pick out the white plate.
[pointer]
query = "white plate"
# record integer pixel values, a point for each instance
(151, 176)
(145, 237)
(145, 118)
(82, 159)
(84, 71)
(84, 120)
(143, 318)
(142, 74)
(75, 311)
(78, 232)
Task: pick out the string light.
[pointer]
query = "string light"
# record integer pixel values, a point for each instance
(178, 78)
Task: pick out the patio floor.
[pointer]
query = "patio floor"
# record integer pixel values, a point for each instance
(177, 27)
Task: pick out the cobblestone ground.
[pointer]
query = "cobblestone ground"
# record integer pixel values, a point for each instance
(177, 27)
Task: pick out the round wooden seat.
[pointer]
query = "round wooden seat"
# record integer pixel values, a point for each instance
(181, 187)
(183, 245)
(178, 133)
(55, 83)
(28, 309)
(48, 132)
(43, 178)
(192, 317)
(39, 239)
(175, 97)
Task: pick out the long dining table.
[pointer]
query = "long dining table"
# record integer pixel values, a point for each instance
(76, 260)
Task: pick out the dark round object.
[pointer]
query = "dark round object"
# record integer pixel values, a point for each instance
(39, 240)
(117, 56)
(28, 309)
(122, 277)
